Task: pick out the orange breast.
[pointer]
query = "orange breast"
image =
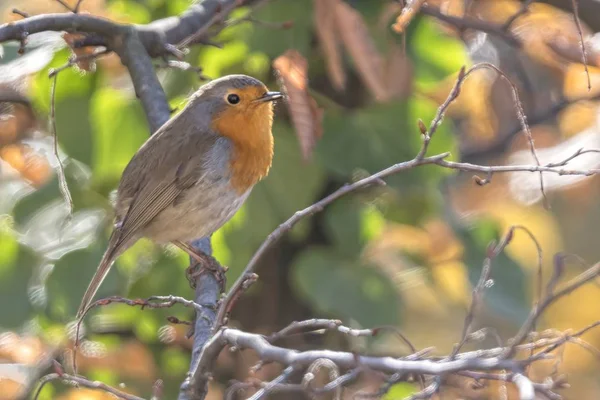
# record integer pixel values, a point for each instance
(249, 128)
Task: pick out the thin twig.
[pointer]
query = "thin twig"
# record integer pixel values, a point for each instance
(74, 380)
(62, 180)
(74, 60)
(65, 5)
(476, 298)
(271, 385)
(21, 13)
(441, 112)
(521, 116)
(581, 43)
(150, 302)
(76, 9)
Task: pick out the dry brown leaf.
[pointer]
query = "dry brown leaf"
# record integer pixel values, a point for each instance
(89, 64)
(326, 28)
(408, 13)
(358, 42)
(306, 115)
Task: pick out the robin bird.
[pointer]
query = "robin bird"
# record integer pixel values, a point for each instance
(195, 172)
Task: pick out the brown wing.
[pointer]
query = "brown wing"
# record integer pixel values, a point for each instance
(166, 165)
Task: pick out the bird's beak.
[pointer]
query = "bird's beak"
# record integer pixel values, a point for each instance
(269, 96)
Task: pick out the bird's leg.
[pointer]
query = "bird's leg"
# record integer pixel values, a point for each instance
(205, 263)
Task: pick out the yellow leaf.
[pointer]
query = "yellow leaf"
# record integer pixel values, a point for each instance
(575, 84)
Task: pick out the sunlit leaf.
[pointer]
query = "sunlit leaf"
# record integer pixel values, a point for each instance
(117, 138)
(400, 391)
(434, 54)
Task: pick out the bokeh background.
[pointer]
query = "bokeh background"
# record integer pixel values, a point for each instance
(404, 255)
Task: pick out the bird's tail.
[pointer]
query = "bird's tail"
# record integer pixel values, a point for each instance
(115, 247)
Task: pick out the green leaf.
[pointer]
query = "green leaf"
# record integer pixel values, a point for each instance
(176, 7)
(508, 295)
(434, 54)
(372, 138)
(175, 362)
(216, 62)
(73, 127)
(133, 12)
(70, 83)
(400, 391)
(376, 137)
(372, 222)
(146, 326)
(119, 129)
(71, 276)
(345, 289)
(343, 225)
(274, 42)
(15, 273)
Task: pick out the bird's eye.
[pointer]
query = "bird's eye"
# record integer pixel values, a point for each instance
(233, 98)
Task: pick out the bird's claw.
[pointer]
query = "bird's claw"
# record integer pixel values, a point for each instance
(208, 264)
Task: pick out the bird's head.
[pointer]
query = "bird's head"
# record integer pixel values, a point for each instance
(241, 109)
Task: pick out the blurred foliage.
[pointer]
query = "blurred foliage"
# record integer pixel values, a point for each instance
(404, 255)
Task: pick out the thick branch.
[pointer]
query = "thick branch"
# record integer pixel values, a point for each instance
(154, 36)
(195, 20)
(207, 294)
(147, 87)
(58, 22)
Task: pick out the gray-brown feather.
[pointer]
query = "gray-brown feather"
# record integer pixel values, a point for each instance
(192, 175)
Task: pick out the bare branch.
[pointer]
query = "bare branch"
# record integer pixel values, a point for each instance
(581, 43)
(74, 380)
